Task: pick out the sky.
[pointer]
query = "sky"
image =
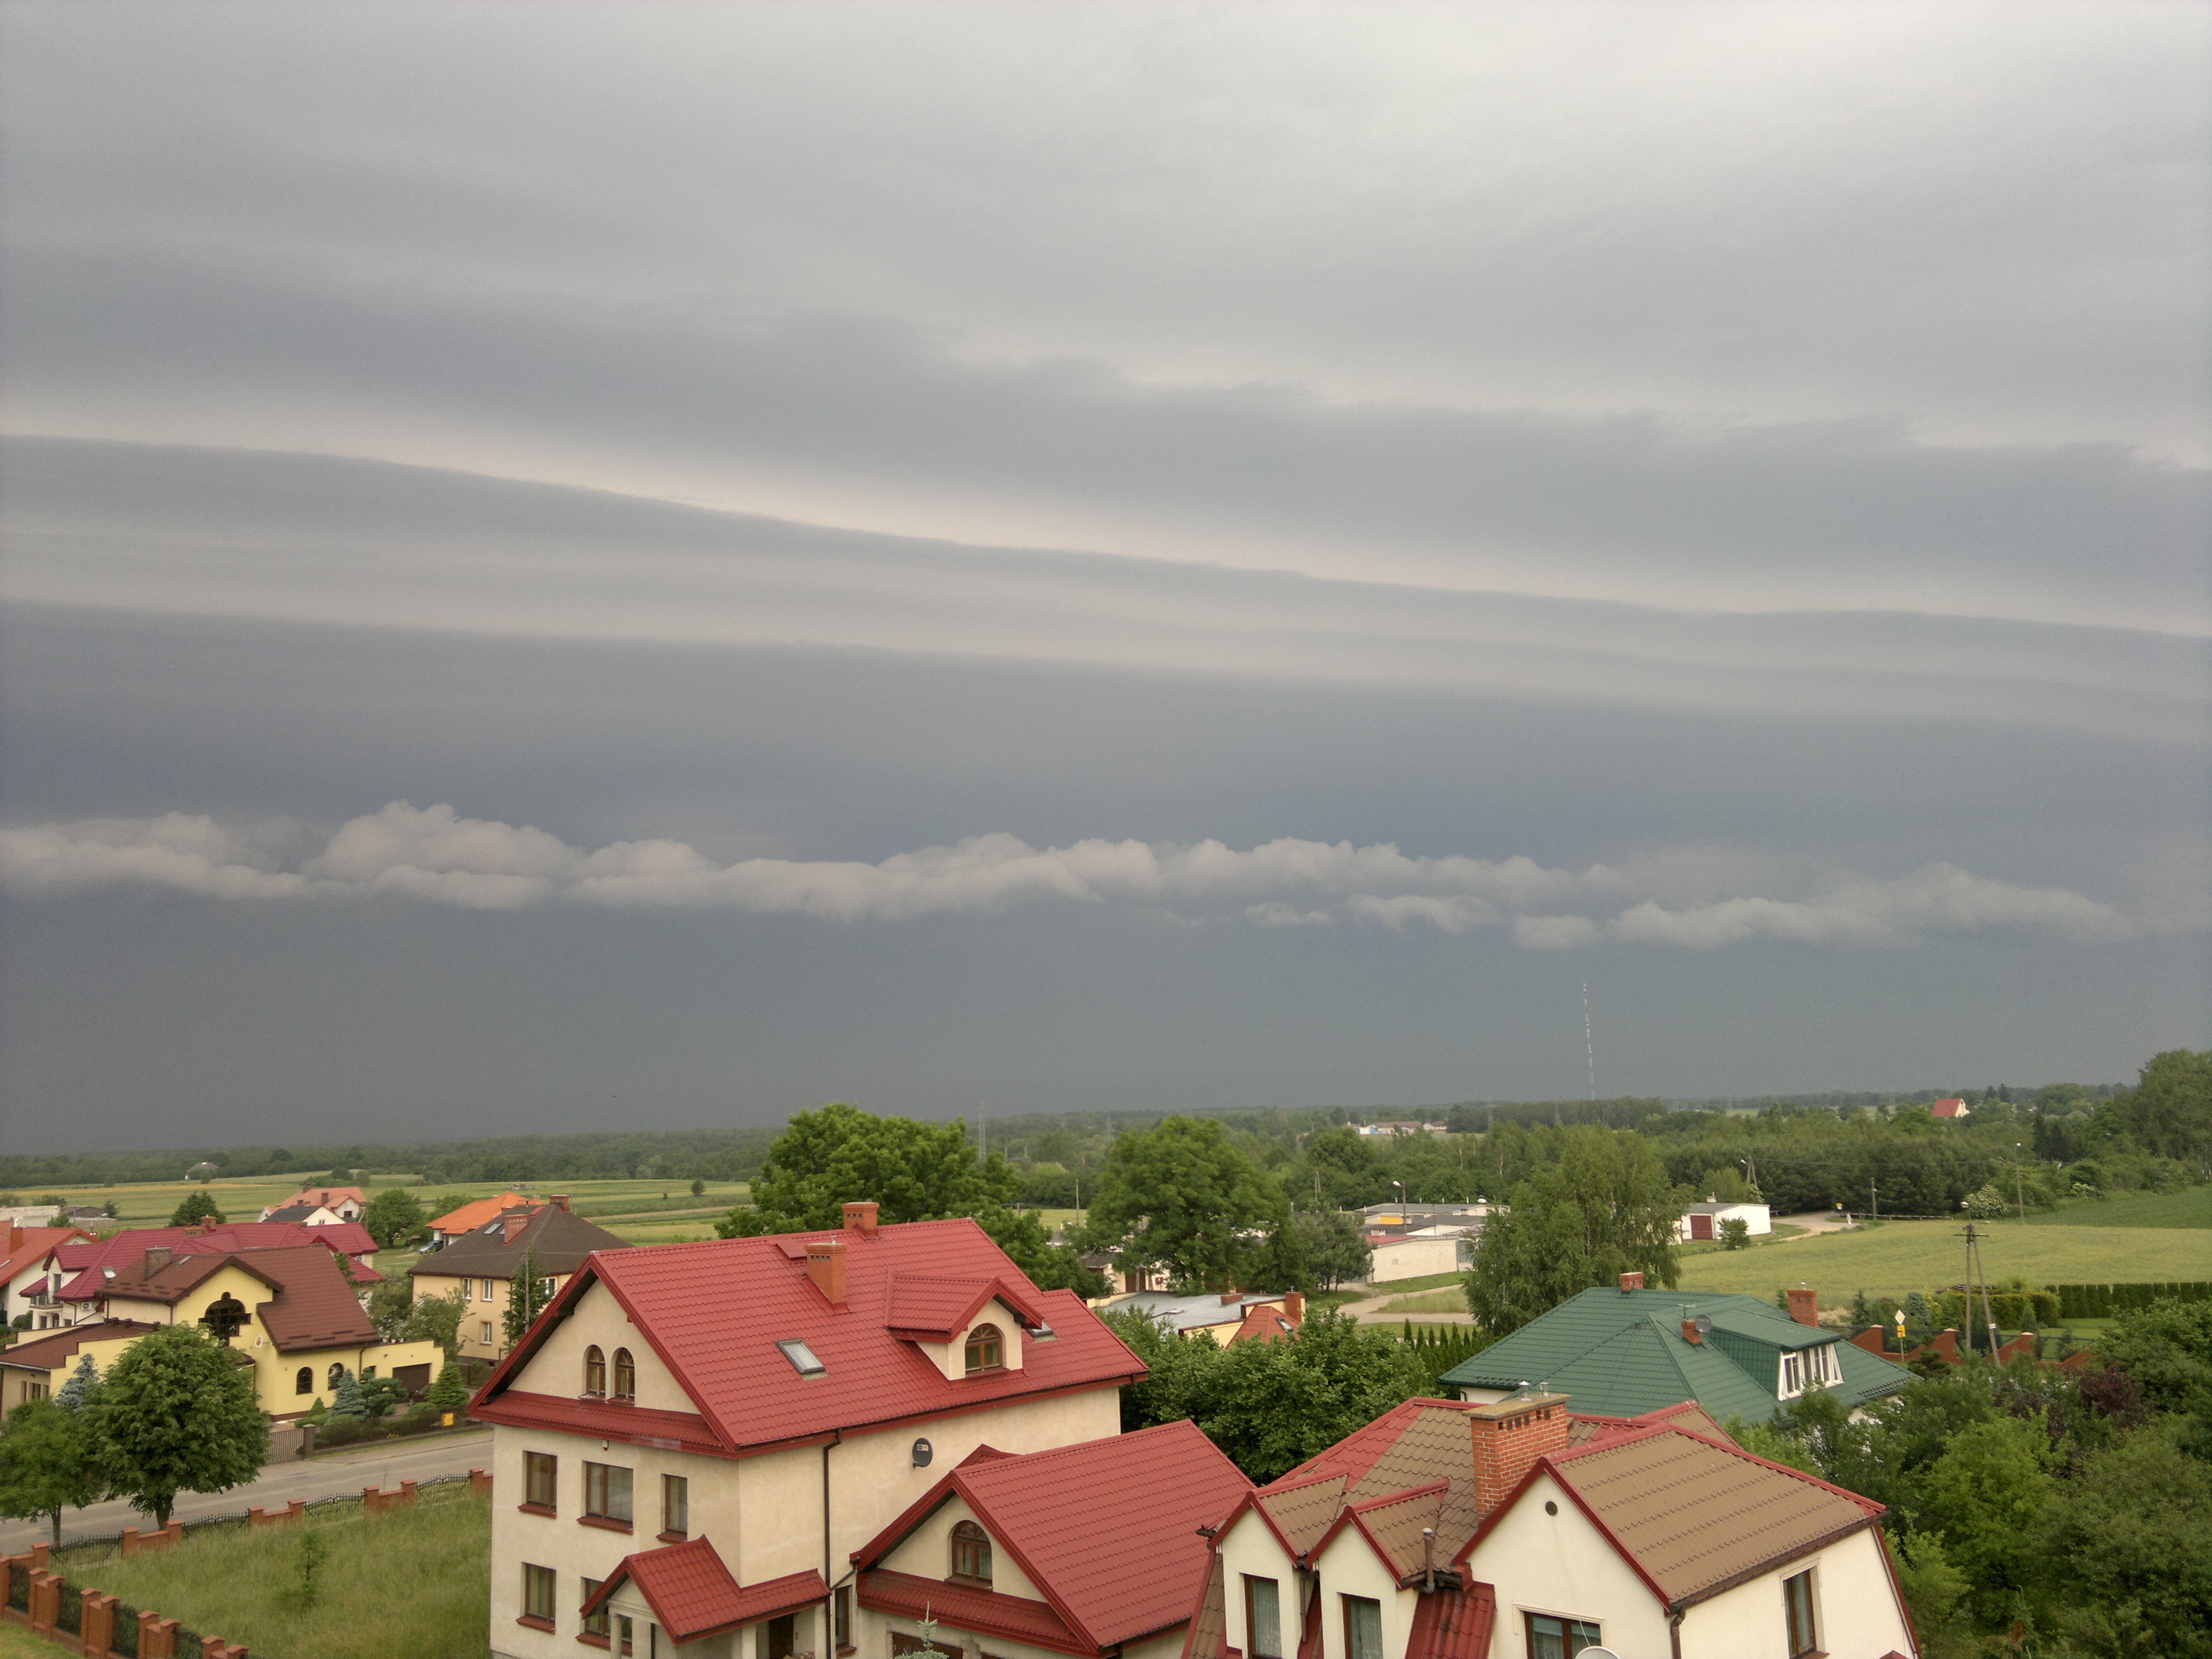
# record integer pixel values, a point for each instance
(577, 567)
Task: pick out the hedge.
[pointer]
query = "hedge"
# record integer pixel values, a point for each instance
(2108, 1301)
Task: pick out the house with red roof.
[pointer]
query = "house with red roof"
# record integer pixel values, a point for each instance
(444, 1229)
(1951, 1110)
(31, 1274)
(715, 1429)
(87, 1262)
(343, 1204)
(1029, 1556)
(1516, 1529)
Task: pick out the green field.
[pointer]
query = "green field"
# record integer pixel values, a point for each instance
(243, 1586)
(2190, 1207)
(1898, 1256)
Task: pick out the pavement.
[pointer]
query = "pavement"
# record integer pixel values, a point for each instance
(341, 1474)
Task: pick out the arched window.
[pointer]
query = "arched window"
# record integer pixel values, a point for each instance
(337, 1376)
(225, 1317)
(595, 1370)
(305, 1381)
(971, 1552)
(986, 1352)
(625, 1375)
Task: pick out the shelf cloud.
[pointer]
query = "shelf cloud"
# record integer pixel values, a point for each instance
(434, 855)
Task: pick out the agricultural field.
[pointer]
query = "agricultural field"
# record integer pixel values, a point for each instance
(244, 1586)
(2190, 1207)
(1898, 1256)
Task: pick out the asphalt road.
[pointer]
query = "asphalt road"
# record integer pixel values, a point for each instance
(339, 1473)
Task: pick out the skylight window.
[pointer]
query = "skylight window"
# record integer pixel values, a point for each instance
(802, 1358)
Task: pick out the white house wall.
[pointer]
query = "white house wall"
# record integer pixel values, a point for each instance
(1350, 1567)
(1856, 1615)
(1562, 1566)
(1413, 1258)
(1250, 1549)
(927, 1552)
(557, 1367)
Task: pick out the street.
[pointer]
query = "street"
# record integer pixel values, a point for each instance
(339, 1474)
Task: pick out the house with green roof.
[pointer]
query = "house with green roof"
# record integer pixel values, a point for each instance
(1626, 1352)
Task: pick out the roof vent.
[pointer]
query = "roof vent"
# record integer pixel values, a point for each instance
(802, 1358)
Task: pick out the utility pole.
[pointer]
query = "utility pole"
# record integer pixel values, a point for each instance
(1874, 1199)
(1589, 1049)
(2019, 1191)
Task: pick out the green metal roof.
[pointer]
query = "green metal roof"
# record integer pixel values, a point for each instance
(1620, 1354)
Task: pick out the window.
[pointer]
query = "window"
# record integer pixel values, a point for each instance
(1559, 1638)
(35, 1391)
(595, 1370)
(1263, 1618)
(595, 1623)
(303, 1380)
(987, 1349)
(840, 1618)
(802, 1358)
(484, 1330)
(675, 1506)
(971, 1552)
(606, 1492)
(1793, 1375)
(540, 1472)
(1797, 1609)
(1363, 1628)
(337, 1376)
(625, 1375)
(538, 1596)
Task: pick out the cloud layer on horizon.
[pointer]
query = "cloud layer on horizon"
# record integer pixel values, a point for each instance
(433, 854)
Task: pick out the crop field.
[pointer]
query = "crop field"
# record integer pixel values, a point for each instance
(2190, 1207)
(1898, 1256)
(244, 1586)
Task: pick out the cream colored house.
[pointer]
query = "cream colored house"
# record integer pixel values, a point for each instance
(692, 1440)
(292, 1312)
(1515, 1529)
(481, 1265)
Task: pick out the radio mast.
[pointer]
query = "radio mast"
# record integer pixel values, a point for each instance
(1589, 1049)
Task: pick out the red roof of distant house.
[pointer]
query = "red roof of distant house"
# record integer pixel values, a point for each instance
(1268, 1324)
(1950, 1109)
(470, 1217)
(324, 1198)
(693, 1594)
(27, 1245)
(222, 1237)
(714, 1313)
(1059, 1514)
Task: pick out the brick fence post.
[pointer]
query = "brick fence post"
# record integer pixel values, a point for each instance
(297, 1510)
(157, 1637)
(130, 1544)
(45, 1603)
(96, 1624)
(479, 1483)
(372, 1500)
(257, 1517)
(214, 1647)
(407, 1492)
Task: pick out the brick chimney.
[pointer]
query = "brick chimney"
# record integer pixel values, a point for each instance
(158, 1256)
(1631, 1281)
(1231, 1298)
(826, 1266)
(14, 1237)
(1802, 1307)
(1509, 1436)
(207, 1224)
(559, 1200)
(861, 1216)
(1692, 1335)
(1294, 1306)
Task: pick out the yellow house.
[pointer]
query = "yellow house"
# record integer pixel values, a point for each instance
(481, 1265)
(292, 1312)
(35, 1368)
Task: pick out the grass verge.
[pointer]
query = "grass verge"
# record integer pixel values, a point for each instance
(408, 1584)
(1431, 1302)
(1427, 1282)
(1900, 1256)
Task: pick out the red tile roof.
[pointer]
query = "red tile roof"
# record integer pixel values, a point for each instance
(693, 1594)
(324, 1198)
(1267, 1324)
(49, 1351)
(986, 1613)
(610, 1420)
(1454, 1624)
(346, 1238)
(715, 1312)
(470, 1217)
(938, 1309)
(31, 1245)
(1073, 1517)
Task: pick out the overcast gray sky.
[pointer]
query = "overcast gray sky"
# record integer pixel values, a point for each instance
(661, 565)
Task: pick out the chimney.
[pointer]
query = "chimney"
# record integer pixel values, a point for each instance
(826, 1266)
(1692, 1335)
(14, 1237)
(207, 1224)
(157, 1257)
(1509, 1436)
(1631, 1282)
(1802, 1308)
(1231, 1298)
(559, 1200)
(861, 1216)
(513, 1224)
(1294, 1306)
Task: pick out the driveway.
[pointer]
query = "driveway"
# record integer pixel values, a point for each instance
(339, 1474)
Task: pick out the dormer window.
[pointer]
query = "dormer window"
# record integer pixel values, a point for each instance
(971, 1553)
(986, 1352)
(595, 1371)
(625, 1375)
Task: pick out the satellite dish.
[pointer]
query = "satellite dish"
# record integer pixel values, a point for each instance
(1599, 1653)
(1705, 1324)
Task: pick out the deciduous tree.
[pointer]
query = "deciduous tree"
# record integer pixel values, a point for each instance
(1179, 1196)
(49, 1462)
(393, 1217)
(196, 1206)
(176, 1413)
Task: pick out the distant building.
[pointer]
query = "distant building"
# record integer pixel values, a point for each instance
(344, 1203)
(444, 1229)
(482, 1264)
(1418, 1241)
(1224, 1317)
(1401, 1128)
(1950, 1109)
(1704, 1221)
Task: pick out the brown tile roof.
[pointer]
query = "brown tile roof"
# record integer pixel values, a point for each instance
(56, 1348)
(1208, 1634)
(315, 1305)
(1423, 1445)
(558, 1239)
(1303, 1512)
(1695, 1516)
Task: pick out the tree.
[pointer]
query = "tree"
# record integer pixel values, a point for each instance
(196, 1207)
(527, 1293)
(390, 1306)
(1985, 1497)
(2134, 1541)
(82, 1382)
(2170, 1112)
(176, 1413)
(346, 1400)
(1605, 1208)
(1335, 1252)
(437, 1319)
(1178, 1196)
(49, 1462)
(450, 1392)
(393, 1216)
(1735, 1233)
(698, 1188)
(1283, 1263)
(824, 1159)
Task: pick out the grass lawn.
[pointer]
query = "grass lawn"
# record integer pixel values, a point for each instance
(409, 1584)
(17, 1642)
(1898, 1256)
(2190, 1207)
(1427, 1282)
(1431, 1302)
